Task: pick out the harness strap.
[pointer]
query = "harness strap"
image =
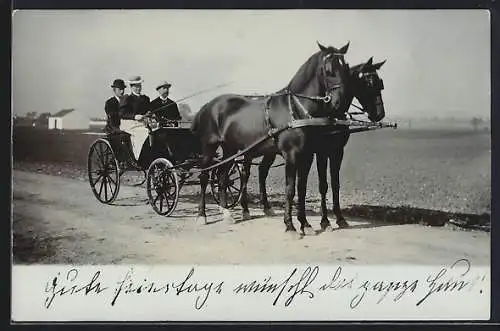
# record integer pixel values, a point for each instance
(290, 107)
(271, 128)
(304, 111)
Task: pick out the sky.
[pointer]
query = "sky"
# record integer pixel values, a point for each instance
(438, 61)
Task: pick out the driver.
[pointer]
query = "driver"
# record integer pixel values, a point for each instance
(132, 109)
(163, 107)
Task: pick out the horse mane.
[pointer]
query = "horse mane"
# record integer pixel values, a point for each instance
(304, 72)
(356, 67)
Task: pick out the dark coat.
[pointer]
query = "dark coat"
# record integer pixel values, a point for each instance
(112, 107)
(169, 112)
(134, 105)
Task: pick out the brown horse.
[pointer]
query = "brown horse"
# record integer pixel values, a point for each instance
(366, 87)
(235, 122)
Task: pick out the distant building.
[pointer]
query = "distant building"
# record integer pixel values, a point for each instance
(42, 121)
(19, 121)
(68, 119)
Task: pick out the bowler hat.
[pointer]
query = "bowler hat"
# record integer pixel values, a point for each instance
(118, 83)
(162, 84)
(135, 80)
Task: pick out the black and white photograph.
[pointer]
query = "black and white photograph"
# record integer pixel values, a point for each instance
(252, 138)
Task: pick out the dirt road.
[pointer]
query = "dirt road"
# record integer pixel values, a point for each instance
(58, 220)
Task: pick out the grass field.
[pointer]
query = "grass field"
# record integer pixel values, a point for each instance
(446, 170)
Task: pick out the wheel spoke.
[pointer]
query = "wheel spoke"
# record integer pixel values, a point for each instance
(97, 180)
(107, 155)
(97, 160)
(231, 191)
(156, 199)
(93, 164)
(106, 188)
(103, 154)
(167, 201)
(112, 180)
(109, 181)
(100, 188)
(170, 194)
(161, 202)
(99, 155)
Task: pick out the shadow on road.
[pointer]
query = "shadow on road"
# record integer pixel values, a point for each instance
(376, 216)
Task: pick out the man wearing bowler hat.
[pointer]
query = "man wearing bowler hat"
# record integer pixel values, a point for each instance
(112, 106)
(163, 107)
(132, 110)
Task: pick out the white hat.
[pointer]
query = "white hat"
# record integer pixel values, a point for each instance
(135, 80)
(162, 84)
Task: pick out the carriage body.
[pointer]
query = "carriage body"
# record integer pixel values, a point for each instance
(167, 147)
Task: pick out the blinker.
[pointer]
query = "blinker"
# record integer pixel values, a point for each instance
(380, 84)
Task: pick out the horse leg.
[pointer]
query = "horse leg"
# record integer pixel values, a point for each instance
(335, 163)
(264, 167)
(290, 176)
(245, 174)
(321, 164)
(302, 174)
(202, 216)
(223, 181)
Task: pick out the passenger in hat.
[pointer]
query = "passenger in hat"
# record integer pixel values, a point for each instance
(112, 106)
(132, 109)
(136, 103)
(164, 108)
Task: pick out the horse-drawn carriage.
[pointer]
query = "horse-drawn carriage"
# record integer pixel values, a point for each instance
(173, 157)
(247, 127)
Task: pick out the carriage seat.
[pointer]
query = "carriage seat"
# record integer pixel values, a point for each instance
(116, 133)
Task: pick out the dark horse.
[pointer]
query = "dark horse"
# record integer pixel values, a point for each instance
(235, 122)
(366, 87)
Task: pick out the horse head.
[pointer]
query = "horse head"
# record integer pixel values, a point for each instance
(325, 75)
(333, 73)
(367, 88)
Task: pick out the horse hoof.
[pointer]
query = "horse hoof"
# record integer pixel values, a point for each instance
(342, 224)
(246, 215)
(328, 228)
(228, 219)
(294, 235)
(308, 231)
(226, 216)
(325, 225)
(269, 212)
(202, 220)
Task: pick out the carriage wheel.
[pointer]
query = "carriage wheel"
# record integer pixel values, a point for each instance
(103, 171)
(162, 187)
(233, 186)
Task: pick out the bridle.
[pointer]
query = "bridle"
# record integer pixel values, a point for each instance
(376, 84)
(295, 97)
